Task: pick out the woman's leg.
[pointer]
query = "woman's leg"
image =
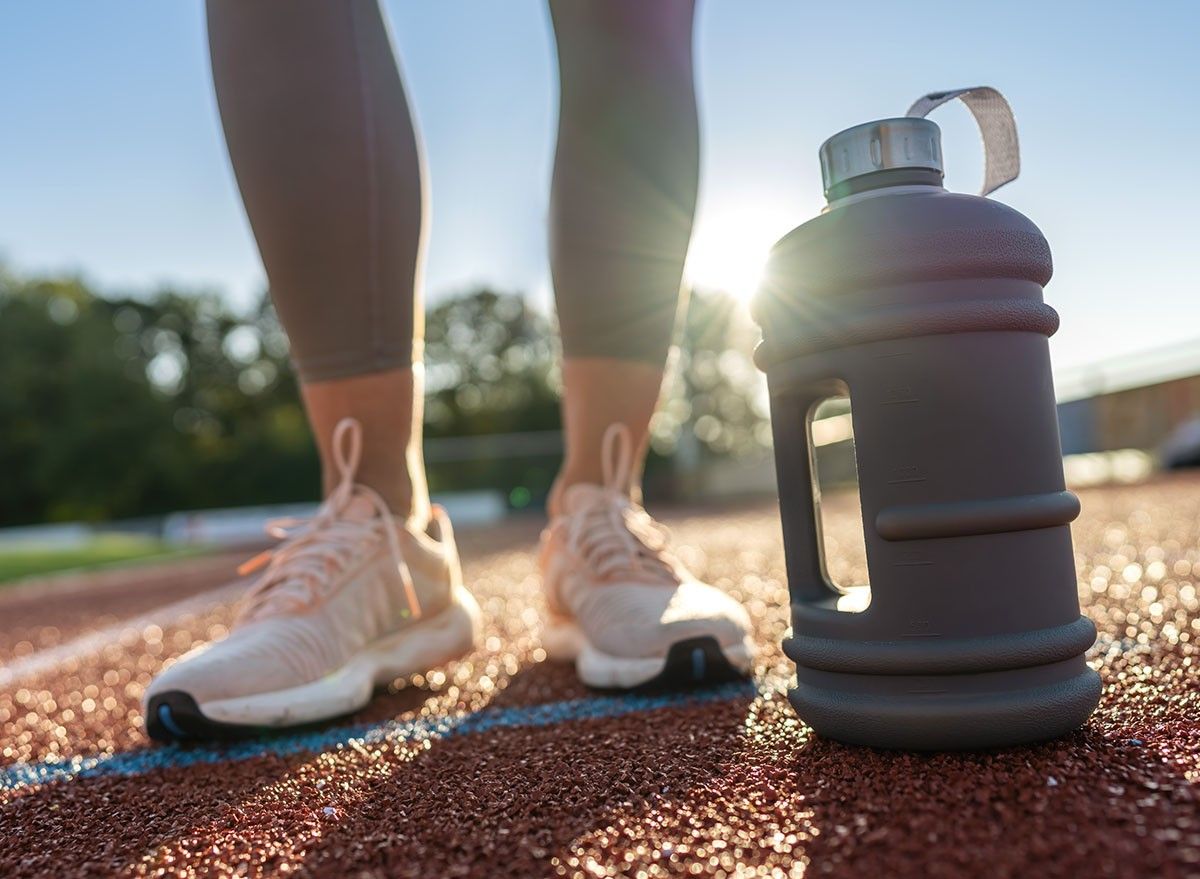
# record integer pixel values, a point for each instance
(625, 177)
(369, 588)
(624, 195)
(330, 170)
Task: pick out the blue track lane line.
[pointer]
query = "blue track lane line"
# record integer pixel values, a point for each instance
(130, 763)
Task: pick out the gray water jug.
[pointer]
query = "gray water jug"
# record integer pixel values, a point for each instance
(926, 307)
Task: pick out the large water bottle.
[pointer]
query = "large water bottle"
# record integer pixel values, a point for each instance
(925, 307)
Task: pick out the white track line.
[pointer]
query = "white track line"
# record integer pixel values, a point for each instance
(93, 642)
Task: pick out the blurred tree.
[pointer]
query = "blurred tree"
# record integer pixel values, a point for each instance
(716, 396)
(113, 408)
(491, 369)
(124, 407)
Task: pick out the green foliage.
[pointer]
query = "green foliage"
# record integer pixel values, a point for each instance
(490, 369)
(717, 396)
(115, 408)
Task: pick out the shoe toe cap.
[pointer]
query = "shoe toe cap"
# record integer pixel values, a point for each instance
(200, 674)
(244, 664)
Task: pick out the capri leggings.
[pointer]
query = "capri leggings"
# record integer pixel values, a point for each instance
(330, 169)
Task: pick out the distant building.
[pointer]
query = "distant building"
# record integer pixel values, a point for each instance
(1132, 403)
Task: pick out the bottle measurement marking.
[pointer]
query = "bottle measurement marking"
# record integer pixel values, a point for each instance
(906, 473)
(898, 393)
(911, 559)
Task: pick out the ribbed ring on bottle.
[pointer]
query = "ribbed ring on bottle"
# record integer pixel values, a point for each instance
(972, 316)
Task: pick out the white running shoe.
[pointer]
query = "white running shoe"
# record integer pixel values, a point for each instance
(351, 599)
(626, 610)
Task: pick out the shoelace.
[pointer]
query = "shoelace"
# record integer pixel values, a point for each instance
(615, 535)
(317, 547)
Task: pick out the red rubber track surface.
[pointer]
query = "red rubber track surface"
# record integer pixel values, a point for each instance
(722, 788)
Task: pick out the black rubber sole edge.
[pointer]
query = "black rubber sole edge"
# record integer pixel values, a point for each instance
(174, 716)
(694, 662)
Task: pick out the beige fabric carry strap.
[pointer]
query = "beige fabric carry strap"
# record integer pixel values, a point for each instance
(997, 126)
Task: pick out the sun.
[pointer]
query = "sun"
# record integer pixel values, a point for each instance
(729, 251)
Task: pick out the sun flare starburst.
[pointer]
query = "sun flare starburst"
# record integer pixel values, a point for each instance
(729, 251)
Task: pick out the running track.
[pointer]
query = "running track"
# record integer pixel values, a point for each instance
(505, 765)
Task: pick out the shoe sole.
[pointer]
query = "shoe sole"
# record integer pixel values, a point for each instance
(427, 644)
(689, 662)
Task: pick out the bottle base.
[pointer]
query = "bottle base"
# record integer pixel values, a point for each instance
(955, 717)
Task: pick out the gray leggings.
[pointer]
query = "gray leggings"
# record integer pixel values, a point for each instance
(330, 170)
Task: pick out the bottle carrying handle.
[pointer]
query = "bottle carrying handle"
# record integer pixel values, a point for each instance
(807, 580)
(997, 126)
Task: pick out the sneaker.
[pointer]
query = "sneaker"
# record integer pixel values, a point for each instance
(621, 605)
(351, 599)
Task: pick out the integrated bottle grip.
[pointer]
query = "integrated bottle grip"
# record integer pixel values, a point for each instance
(807, 582)
(997, 126)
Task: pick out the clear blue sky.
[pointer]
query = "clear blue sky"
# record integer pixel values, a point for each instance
(112, 162)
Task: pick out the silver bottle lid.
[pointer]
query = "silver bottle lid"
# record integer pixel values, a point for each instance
(903, 142)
